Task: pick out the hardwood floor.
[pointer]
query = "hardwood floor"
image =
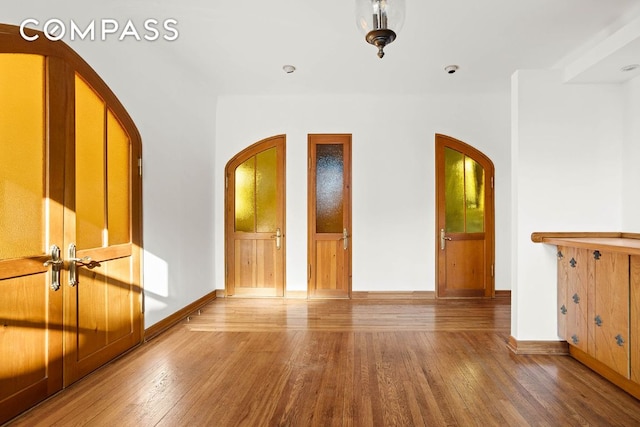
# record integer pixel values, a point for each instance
(272, 362)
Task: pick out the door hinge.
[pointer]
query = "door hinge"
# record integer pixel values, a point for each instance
(309, 272)
(491, 270)
(140, 166)
(226, 270)
(309, 163)
(226, 181)
(491, 182)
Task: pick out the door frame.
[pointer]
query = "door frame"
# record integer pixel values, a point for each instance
(280, 143)
(442, 141)
(312, 141)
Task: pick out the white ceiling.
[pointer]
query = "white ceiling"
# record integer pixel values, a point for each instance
(240, 46)
(489, 40)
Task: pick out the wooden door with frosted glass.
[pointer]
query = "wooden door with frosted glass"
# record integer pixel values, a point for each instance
(255, 220)
(31, 221)
(464, 220)
(102, 309)
(329, 216)
(58, 187)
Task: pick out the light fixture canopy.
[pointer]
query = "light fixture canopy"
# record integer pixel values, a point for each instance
(380, 21)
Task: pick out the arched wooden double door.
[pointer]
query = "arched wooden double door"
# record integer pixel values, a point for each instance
(255, 220)
(464, 220)
(70, 222)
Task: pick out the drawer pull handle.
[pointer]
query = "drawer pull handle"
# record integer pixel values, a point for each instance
(598, 320)
(576, 298)
(574, 339)
(573, 262)
(596, 255)
(563, 309)
(619, 340)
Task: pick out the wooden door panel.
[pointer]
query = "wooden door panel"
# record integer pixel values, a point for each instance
(329, 216)
(330, 266)
(255, 264)
(31, 316)
(465, 221)
(106, 317)
(265, 264)
(31, 194)
(245, 270)
(255, 220)
(103, 311)
(465, 267)
(40, 341)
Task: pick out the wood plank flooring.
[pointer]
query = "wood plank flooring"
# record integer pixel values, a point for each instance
(274, 362)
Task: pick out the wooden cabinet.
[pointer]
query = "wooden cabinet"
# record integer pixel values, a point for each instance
(599, 302)
(573, 296)
(634, 317)
(609, 327)
(593, 304)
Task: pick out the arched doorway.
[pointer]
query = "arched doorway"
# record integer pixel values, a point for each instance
(70, 221)
(465, 223)
(255, 220)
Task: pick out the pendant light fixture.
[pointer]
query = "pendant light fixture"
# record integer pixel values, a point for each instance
(380, 21)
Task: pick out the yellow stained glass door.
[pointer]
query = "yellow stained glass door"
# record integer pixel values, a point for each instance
(102, 307)
(329, 216)
(464, 220)
(70, 222)
(31, 211)
(255, 220)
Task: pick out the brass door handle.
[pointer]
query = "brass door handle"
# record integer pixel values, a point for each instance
(56, 264)
(278, 237)
(73, 268)
(443, 238)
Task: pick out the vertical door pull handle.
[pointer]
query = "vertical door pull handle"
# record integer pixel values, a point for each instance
(345, 239)
(278, 237)
(56, 265)
(73, 267)
(442, 239)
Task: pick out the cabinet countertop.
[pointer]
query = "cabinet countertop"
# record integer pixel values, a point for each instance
(627, 243)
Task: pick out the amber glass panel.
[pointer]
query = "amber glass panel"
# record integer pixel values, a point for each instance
(22, 192)
(454, 191)
(245, 206)
(90, 167)
(266, 190)
(118, 175)
(474, 195)
(329, 188)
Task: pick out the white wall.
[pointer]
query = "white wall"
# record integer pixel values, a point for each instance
(393, 175)
(567, 145)
(631, 158)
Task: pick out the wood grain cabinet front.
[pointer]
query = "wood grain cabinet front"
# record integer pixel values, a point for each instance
(598, 307)
(634, 318)
(609, 327)
(573, 296)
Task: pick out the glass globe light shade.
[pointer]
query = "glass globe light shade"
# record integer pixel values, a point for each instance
(379, 14)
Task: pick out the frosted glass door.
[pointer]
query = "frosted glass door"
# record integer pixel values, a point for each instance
(330, 237)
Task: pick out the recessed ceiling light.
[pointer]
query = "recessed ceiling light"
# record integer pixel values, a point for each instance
(288, 69)
(630, 67)
(451, 69)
